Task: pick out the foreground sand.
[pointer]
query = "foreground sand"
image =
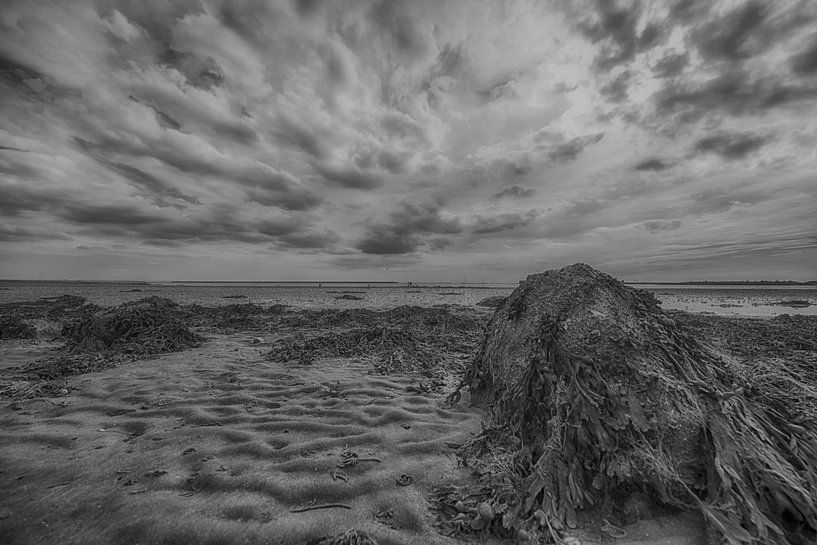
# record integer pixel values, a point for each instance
(218, 445)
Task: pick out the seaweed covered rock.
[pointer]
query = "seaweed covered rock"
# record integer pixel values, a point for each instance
(595, 394)
(148, 326)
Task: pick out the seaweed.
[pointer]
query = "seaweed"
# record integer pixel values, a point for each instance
(596, 394)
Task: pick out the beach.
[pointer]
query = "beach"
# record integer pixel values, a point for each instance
(278, 423)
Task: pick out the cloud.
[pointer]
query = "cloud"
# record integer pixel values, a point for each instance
(733, 93)
(804, 63)
(717, 200)
(416, 137)
(739, 34)
(388, 242)
(18, 233)
(571, 149)
(654, 226)
(407, 229)
(350, 177)
(502, 222)
(293, 134)
(10, 148)
(150, 184)
(290, 199)
(652, 164)
(616, 90)
(671, 65)
(731, 145)
(515, 192)
(616, 30)
(309, 240)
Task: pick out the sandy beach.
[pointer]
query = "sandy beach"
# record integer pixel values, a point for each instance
(228, 442)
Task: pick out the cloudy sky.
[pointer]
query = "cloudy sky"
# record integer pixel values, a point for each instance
(407, 140)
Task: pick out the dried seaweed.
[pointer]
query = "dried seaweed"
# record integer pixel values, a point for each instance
(595, 393)
(112, 336)
(428, 341)
(14, 327)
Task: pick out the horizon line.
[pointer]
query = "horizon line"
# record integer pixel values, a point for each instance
(387, 282)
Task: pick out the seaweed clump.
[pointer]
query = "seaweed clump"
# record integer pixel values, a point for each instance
(145, 327)
(406, 339)
(13, 327)
(596, 395)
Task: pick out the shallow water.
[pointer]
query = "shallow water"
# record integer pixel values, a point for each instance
(719, 300)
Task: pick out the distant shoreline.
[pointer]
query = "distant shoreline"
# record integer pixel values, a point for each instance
(389, 283)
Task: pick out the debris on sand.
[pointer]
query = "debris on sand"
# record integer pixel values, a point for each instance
(405, 339)
(41, 319)
(349, 537)
(596, 394)
(111, 336)
(233, 317)
(13, 327)
(148, 326)
(492, 302)
(349, 297)
(794, 303)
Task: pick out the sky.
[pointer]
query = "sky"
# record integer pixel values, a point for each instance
(423, 140)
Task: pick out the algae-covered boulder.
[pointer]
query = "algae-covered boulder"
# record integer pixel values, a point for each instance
(596, 394)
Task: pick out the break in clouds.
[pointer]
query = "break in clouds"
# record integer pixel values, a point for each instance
(407, 140)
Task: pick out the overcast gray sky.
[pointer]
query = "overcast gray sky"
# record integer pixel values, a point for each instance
(407, 140)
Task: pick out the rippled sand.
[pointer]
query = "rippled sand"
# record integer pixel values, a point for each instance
(217, 445)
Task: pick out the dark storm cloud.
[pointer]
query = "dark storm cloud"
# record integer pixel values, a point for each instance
(615, 30)
(739, 34)
(653, 164)
(805, 62)
(514, 192)
(309, 240)
(263, 185)
(19, 198)
(671, 66)
(731, 145)
(616, 90)
(165, 121)
(9, 148)
(196, 165)
(218, 223)
(292, 134)
(350, 178)
(407, 229)
(287, 200)
(653, 226)
(571, 149)
(733, 93)
(390, 17)
(387, 243)
(16, 73)
(502, 222)
(392, 162)
(154, 186)
(404, 128)
(150, 224)
(92, 214)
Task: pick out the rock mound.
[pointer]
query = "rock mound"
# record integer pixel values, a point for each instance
(596, 394)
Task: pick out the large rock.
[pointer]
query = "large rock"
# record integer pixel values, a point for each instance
(600, 394)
